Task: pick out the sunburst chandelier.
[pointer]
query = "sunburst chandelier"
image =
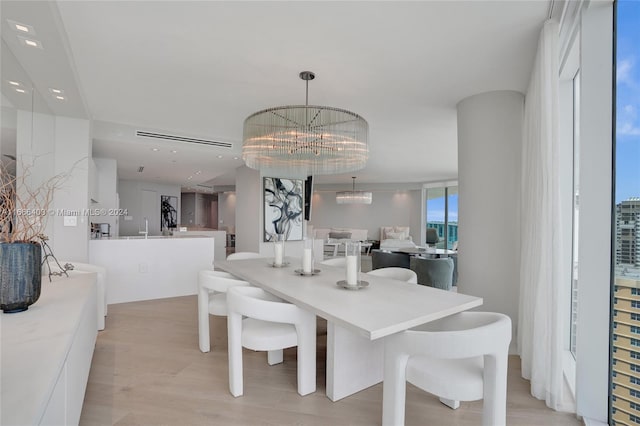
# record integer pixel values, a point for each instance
(304, 140)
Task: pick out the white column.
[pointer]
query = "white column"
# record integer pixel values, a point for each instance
(71, 156)
(489, 148)
(249, 209)
(594, 251)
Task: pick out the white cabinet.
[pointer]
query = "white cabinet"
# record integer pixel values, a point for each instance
(47, 352)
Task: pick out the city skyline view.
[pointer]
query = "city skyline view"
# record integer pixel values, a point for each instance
(627, 165)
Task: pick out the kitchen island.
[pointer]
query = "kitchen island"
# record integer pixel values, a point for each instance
(140, 268)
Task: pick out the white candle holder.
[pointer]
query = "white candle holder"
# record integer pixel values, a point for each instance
(352, 253)
(307, 256)
(278, 250)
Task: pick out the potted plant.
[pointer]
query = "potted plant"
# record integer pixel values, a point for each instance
(24, 210)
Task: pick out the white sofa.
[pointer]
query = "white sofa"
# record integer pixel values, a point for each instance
(395, 237)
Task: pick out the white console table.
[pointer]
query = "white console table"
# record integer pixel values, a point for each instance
(47, 352)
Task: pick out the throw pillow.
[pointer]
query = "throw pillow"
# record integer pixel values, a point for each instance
(396, 235)
(404, 230)
(384, 230)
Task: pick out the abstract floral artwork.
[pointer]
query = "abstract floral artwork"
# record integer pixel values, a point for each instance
(283, 208)
(168, 212)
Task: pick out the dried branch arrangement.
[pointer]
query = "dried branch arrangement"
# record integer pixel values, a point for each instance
(24, 208)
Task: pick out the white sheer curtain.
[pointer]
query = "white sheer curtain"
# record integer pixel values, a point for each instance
(540, 335)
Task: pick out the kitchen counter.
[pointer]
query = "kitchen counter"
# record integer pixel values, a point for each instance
(153, 268)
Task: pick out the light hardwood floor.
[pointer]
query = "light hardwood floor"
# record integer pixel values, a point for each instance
(147, 370)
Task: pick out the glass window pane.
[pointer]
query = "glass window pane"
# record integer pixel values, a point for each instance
(452, 217)
(576, 209)
(436, 215)
(625, 374)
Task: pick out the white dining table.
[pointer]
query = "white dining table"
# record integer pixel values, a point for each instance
(357, 320)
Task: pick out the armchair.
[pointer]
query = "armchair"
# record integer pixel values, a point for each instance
(436, 273)
(382, 259)
(432, 237)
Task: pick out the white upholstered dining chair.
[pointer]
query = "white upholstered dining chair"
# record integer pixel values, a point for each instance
(270, 325)
(244, 255)
(400, 274)
(212, 289)
(462, 357)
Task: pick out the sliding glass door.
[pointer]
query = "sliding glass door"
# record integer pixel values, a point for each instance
(442, 215)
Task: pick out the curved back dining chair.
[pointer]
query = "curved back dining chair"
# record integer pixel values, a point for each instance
(386, 259)
(212, 299)
(101, 286)
(432, 237)
(462, 357)
(270, 325)
(244, 255)
(400, 274)
(436, 273)
(336, 261)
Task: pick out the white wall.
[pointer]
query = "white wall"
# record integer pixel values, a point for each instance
(107, 182)
(35, 145)
(248, 209)
(130, 192)
(58, 145)
(489, 147)
(388, 208)
(226, 210)
(72, 155)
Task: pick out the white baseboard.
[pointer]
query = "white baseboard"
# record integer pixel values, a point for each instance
(591, 422)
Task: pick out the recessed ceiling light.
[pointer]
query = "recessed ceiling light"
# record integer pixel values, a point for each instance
(23, 28)
(20, 90)
(219, 156)
(190, 177)
(235, 158)
(173, 151)
(155, 149)
(14, 83)
(198, 172)
(60, 98)
(30, 42)
(56, 91)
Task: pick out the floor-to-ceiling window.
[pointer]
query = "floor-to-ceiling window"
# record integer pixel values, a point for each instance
(569, 181)
(442, 215)
(576, 213)
(625, 347)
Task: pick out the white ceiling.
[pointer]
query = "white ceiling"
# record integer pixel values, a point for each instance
(199, 68)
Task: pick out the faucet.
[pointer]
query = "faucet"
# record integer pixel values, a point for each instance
(146, 229)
